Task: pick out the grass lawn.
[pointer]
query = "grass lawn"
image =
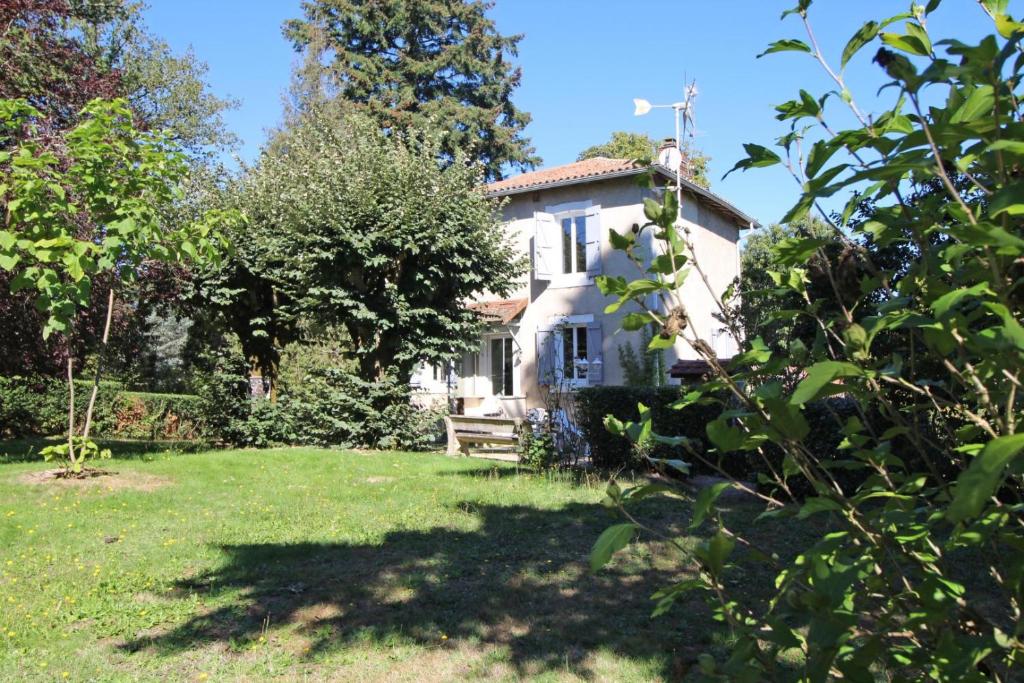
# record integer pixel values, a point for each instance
(307, 564)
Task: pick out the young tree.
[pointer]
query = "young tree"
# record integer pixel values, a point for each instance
(105, 174)
(58, 55)
(915, 568)
(418, 64)
(353, 227)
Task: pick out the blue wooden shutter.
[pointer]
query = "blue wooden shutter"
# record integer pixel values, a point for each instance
(547, 246)
(595, 371)
(593, 223)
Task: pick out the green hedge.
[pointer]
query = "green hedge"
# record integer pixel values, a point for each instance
(611, 452)
(37, 406)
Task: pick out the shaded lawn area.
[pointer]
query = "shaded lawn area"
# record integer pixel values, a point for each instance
(309, 564)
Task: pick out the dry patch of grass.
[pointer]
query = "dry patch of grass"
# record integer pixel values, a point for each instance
(102, 480)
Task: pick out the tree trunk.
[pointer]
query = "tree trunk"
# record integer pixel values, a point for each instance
(99, 364)
(256, 389)
(71, 407)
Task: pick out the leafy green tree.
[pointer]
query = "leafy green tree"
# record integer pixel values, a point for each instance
(761, 297)
(105, 173)
(916, 567)
(623, 145)
(642, 147)
(418, 64)
(366, 231)
(166, 91)
(46, 65)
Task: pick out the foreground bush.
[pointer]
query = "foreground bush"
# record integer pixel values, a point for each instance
(331, 407)
(918, 568)
(615, 451)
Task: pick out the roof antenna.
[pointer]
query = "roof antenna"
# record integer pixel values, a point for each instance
(672, 157)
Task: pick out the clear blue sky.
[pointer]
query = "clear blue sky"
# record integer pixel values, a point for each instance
(584, 61)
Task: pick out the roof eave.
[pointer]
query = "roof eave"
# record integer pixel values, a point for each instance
(569, 181)
(743, 221)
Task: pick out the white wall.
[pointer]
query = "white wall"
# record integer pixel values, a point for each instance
(621, 201)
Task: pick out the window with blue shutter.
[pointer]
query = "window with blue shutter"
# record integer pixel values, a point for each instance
(592, 220)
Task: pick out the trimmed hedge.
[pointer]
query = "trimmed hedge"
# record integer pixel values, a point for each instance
(37, 406)
(612, 452)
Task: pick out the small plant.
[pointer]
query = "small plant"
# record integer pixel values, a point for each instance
(537, 447)
(74, 454)
(643, 368)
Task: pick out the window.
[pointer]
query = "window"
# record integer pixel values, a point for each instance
(574, 242)
(470, 361)
(567, 244)
(574, 349)
(501, 367)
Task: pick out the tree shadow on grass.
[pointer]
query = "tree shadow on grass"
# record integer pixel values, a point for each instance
(494, 470)
(519, 582)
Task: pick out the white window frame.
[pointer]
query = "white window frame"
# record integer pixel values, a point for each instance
(560, 324)
(558, 212)
(484, 361)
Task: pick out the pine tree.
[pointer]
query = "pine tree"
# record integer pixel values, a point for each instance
(418, 64)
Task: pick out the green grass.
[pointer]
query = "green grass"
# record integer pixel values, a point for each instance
(306, 564)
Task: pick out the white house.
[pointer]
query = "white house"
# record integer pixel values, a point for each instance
(555, 319)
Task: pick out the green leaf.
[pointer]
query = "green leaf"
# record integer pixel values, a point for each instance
(977, 105)
(612, 540)
(715, 551)
(796, 250)
(1010, 200)
(1011, 146)
(947, 301)
(725, 437)
(982, 477)
(758, 156)
(906, 43)
(659, 342)
(705, 499)
(815, 505)
(1007, 27)
(862, 37)
(652, 209)
(786, 45)
(787, 419)
(819, 376)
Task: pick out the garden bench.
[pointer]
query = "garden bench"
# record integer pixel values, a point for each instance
(467, 430)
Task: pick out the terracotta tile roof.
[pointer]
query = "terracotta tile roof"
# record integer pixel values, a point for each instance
(501, 311)
(588, 168)
(601, 167)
